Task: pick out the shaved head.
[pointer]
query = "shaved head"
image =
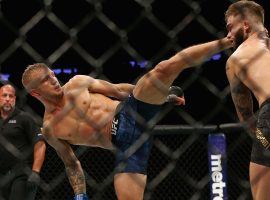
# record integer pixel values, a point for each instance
(29, 80)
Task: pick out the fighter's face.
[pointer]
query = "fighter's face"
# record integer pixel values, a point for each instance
(236, 31)
(7, 98)
(47, 83)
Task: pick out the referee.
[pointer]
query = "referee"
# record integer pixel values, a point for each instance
(22, 150)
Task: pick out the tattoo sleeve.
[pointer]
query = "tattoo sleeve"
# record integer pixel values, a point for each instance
(76, 177)
(73, 166)
(242, 100)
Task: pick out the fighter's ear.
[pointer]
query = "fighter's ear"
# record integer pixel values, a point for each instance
(266, 32)
(34, 93)
(247, 27)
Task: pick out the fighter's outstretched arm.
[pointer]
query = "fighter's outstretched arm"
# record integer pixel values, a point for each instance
(119, 91)
(39, 155)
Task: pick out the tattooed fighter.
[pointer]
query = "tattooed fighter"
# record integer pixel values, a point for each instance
(248, 73)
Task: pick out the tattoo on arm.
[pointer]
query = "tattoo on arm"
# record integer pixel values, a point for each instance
(76, 178)
(73, 169)
(243, 101)
(72, 164)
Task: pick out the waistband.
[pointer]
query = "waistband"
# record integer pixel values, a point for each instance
(265, 102)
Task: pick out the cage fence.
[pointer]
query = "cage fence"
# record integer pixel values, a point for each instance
(119, 41)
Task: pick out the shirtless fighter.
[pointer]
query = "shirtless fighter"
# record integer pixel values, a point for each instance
(248, 71)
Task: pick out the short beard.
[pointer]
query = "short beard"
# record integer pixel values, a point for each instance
(56, 96)
(239, 38)
(7, 109)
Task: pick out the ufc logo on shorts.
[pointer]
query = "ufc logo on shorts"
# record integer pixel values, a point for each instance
(114, 126)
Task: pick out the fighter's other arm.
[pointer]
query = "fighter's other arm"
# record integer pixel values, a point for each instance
(39, 155)
(241, 95)
(119, 91)
(72, 164)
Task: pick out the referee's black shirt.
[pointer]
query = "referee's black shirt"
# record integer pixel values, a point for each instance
(18, 134)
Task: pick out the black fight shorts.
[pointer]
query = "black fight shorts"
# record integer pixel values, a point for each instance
(261, 146)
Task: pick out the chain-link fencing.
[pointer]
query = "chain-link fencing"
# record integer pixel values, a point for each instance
(119, 41)
(178, 168)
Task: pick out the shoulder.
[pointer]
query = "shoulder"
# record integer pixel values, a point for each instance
(79, 81)
(239, 57)
(231, 66)
(48, 118)
(47, 130)
(80, 78)
(246, 51)
(231, 61)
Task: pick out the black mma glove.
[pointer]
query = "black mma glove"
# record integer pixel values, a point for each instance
(176, 96)
(33, 180)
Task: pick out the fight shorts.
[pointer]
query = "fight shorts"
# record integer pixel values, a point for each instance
(131, 134)
(261, 146)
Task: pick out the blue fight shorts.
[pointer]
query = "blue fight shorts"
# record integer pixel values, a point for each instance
(130, 135)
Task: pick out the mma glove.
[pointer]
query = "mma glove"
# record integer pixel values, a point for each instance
(33, 180)
(176, 96)
(82, 196)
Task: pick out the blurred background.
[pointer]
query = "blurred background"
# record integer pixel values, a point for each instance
(118, 41)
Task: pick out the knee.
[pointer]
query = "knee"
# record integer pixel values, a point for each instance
(130, 186)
